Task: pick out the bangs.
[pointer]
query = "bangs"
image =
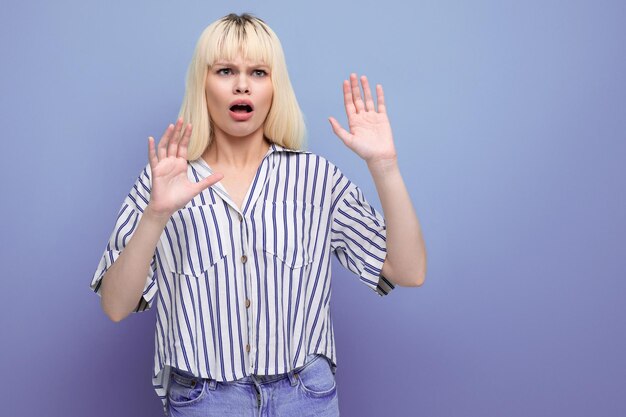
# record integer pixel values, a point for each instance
(250, 39)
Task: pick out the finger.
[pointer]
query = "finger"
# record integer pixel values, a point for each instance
(381, 99)
(164, 141)
(208, 181)
(356, 94)
(343, 134)
(369, 101)
(152, 158)
(172, 148)
(184, 143)
(347, 99)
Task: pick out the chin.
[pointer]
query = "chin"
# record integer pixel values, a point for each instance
(243, 132)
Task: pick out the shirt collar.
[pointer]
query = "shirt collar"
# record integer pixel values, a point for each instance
(274, 147)
(277, 148)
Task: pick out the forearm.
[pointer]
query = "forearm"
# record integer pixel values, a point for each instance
(406, 252)
(123, 283)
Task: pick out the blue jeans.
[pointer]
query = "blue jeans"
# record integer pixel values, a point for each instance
(310, 390)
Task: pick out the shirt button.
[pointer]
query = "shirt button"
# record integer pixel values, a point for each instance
(240, 218)
(247, 303)
(244, 258)
(247, 348)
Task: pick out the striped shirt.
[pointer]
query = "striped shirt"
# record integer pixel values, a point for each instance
(247, 291)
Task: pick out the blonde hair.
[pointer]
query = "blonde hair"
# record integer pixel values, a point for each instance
(224, 39)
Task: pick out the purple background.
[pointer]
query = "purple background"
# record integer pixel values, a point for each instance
(509, 119)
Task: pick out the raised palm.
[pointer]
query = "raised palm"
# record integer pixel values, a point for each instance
(370, 134)
(171, 188)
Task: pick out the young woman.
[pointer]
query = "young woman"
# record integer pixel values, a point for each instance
(231, 227)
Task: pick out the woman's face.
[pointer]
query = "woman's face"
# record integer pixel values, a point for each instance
(239, 96)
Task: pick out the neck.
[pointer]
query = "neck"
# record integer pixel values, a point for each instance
(237, 153)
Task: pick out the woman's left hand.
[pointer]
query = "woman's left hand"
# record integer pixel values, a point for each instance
(370, 132)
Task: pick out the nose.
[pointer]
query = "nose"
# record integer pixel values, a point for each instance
(241, 85)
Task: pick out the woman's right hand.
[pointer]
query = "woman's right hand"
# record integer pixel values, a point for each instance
(171, 188)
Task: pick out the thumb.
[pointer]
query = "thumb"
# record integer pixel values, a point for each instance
(343, 134)
(209, 181)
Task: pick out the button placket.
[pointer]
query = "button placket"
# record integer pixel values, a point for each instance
(247, 275)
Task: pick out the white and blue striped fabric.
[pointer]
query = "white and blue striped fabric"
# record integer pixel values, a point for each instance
(247, 291)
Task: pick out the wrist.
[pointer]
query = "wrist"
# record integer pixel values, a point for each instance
(383, 164)
(156, 216)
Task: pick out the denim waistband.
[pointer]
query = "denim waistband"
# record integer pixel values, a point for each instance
(250, 379)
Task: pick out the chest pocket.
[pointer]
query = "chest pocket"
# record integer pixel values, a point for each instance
(196, 238)
(287, 230)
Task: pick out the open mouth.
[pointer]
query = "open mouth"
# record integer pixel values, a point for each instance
(241, 108)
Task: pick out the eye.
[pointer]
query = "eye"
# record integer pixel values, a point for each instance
(224, 71)
(259, 72)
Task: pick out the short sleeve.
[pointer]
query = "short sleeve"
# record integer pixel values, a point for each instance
(126, 223)
(358, 234)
